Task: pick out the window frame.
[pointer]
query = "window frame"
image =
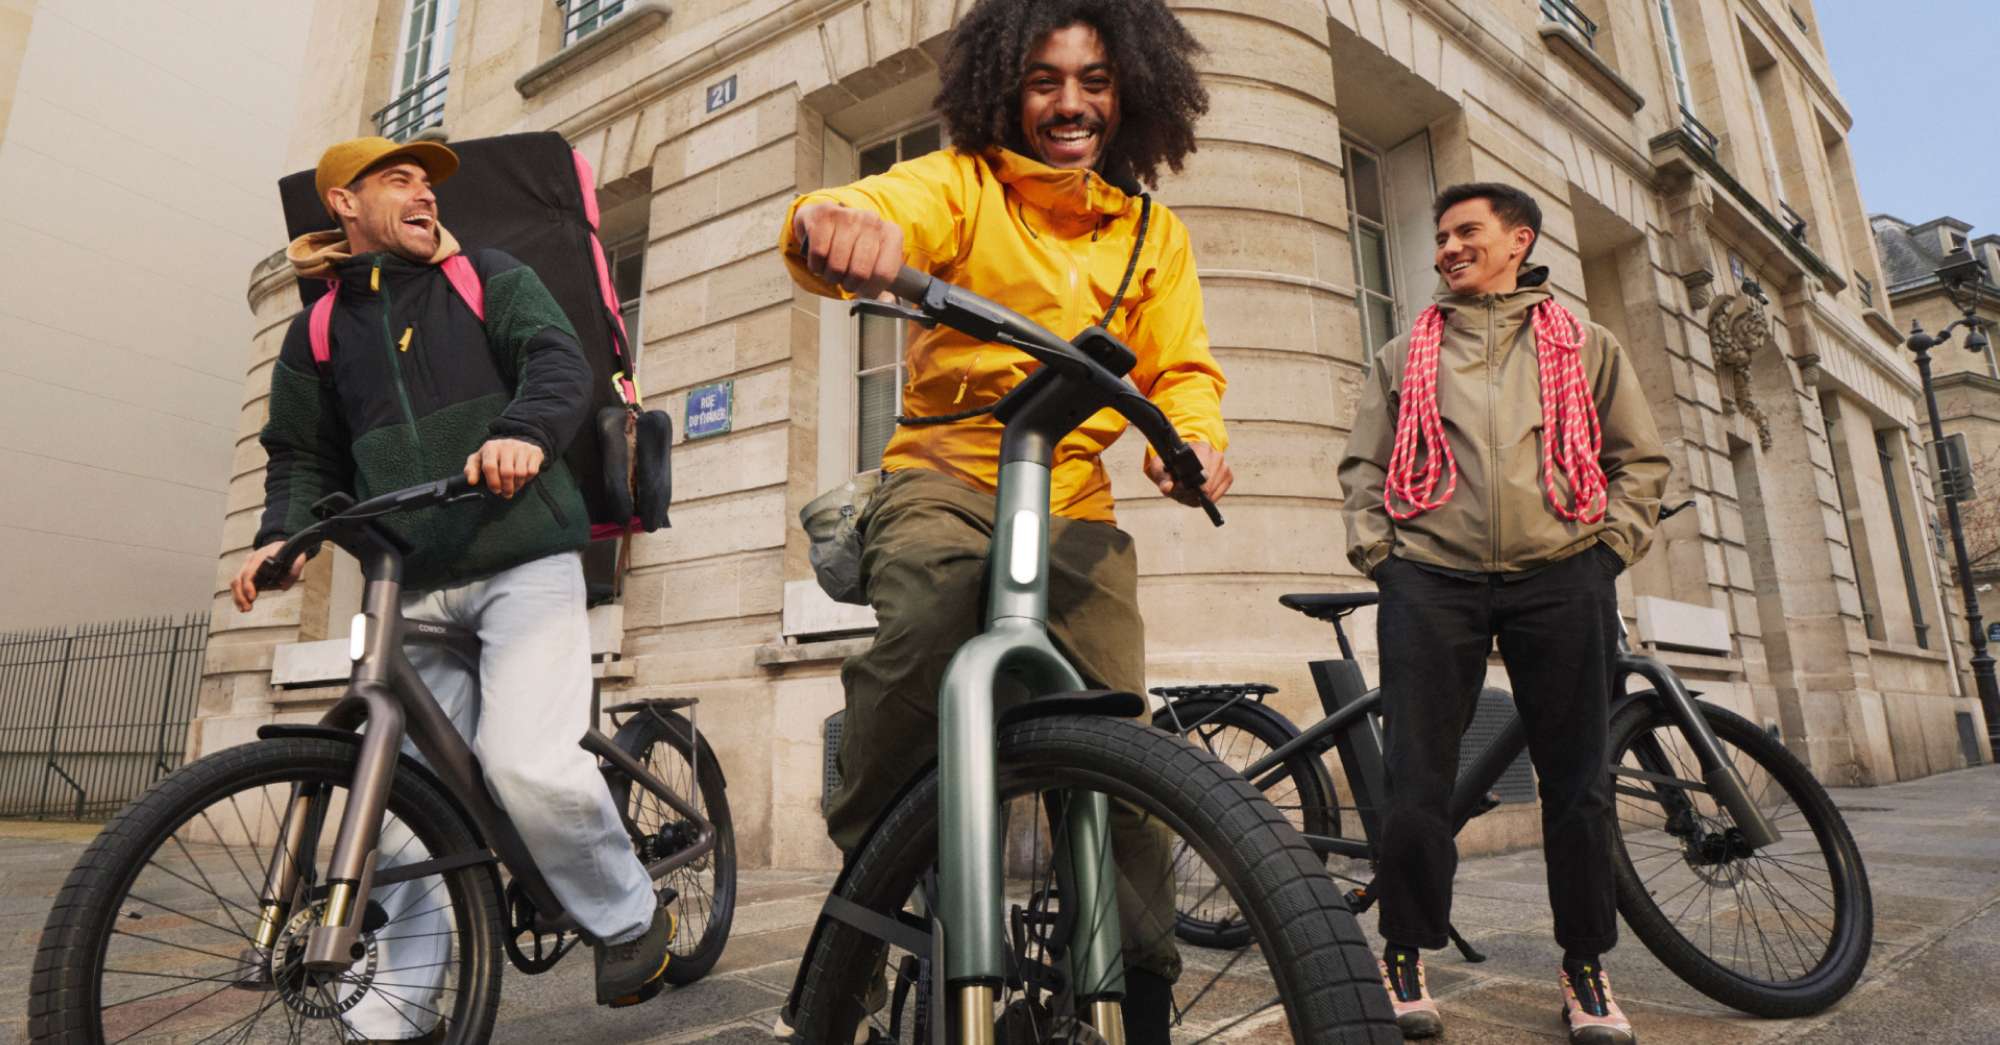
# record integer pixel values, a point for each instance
(575, 28)
(1364, 295)
(899, 329)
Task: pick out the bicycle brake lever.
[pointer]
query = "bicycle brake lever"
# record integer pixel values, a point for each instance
(892, 310)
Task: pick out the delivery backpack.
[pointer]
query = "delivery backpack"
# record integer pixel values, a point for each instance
(533, 197)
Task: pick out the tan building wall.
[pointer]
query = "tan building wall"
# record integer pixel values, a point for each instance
(141, 147)
(1642, 223)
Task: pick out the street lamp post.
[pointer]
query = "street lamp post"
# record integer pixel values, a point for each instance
(1959, 270)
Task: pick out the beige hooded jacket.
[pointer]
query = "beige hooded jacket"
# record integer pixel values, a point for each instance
(1489, 398)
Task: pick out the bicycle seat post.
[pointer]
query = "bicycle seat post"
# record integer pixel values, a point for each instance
(1340, 633)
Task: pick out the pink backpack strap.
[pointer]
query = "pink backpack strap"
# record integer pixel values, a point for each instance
(586, 181)
(465, 279)
(320, 325)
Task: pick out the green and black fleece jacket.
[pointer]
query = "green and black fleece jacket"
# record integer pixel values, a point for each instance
(416, 383)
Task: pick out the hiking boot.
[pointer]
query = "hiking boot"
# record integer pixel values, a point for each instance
(1416, 1013)
(630, 972)
(1593, 1017)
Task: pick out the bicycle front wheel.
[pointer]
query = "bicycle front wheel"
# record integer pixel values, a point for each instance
(705, 889)
(1311, 967)
(150, 940)
(1240, 733)
(1783, 931)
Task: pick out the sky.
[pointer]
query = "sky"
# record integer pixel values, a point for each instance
(1918, 77)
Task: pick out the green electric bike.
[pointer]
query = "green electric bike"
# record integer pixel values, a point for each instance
(987, 892)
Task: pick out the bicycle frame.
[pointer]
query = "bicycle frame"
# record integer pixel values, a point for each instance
(386, 693)
(1076, 380)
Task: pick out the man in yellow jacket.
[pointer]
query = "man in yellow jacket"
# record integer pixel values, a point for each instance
(1054, 122)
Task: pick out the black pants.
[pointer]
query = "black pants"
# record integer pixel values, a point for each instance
(1557, 631)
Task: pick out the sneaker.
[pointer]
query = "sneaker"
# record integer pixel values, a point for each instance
(629, 973)
(1416, 1013)
(1593, 1017)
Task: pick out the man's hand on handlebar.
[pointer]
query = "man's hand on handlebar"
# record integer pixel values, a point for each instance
(506, 464)
(243, 588)
(852, 249)
(1214, 470)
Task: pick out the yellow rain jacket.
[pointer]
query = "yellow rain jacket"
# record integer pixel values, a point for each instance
(1052, 245)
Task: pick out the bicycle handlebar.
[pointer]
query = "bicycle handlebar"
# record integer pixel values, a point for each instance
(962, 310)
(450, 490)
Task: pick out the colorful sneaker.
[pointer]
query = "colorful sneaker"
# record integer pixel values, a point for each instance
(1592, 1015)
(1416, 1013)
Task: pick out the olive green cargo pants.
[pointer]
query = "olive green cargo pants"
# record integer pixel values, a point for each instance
(925, 540)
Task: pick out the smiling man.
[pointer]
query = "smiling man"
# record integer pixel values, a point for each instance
(1057, 111)
(1502, 471)
(416, 387)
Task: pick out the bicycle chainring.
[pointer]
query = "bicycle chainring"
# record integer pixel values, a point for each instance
(521, 922)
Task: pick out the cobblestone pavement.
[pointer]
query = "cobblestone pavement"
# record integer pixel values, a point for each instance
(1932, 849)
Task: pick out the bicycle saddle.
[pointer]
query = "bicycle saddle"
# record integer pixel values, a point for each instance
(1329, 606)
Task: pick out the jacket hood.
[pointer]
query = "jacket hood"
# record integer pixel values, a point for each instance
(317, 255)
(1056, 190)
(1531, 289)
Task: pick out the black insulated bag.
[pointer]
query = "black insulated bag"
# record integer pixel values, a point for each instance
(535, 198)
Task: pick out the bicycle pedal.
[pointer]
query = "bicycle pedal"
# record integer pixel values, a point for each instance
(646, 994)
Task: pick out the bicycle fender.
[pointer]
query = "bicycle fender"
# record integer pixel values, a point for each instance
(1109, 703)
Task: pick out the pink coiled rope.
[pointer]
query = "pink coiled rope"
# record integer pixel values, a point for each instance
(1571, 438)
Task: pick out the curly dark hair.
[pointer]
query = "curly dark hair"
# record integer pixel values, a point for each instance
(1152, 57)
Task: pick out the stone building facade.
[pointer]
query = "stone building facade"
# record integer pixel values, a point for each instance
(1691, 157)
(1967, 383)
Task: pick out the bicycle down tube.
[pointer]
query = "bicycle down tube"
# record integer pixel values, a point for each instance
(386, 694)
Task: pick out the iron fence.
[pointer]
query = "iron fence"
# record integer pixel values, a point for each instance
(91, 715)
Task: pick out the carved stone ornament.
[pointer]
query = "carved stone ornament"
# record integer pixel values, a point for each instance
(1737, 327)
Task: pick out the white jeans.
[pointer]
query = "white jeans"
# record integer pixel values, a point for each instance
(523, 713)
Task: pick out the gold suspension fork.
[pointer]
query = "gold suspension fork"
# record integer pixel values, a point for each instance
(975, 1015)
(281, 881)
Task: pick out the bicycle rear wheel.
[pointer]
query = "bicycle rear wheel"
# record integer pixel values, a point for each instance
(147, 940)
(1782, 931)
(705, 900)
(1311, 966)
(1240, 733)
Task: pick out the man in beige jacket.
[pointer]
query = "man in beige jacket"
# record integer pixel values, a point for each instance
(1503, 469)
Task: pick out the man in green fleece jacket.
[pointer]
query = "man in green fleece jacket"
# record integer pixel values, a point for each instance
(417, 387)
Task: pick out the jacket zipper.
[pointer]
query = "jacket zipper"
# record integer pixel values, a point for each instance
(1493, 426)
(402, 393)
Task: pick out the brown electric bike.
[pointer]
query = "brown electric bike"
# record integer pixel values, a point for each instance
(320, 884)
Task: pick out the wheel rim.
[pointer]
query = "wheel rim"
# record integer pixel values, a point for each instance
(179, 968)
(663, 831)
(1775, 916)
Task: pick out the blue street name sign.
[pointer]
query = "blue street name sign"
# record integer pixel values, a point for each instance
(721, 94)
(709, 409)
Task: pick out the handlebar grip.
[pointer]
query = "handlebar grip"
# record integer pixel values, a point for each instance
(910, 284)
(271, 572)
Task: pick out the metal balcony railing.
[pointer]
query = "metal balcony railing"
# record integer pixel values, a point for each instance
(583, 17)
(1866, 287)
(1794, 224)
(1701, 134)
(415, 109)
(1564, 12)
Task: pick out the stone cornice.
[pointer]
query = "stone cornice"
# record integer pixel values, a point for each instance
(633, 22)
(269, 276)
(1677, 149)
(747, 35)
(1507, 60)
(1571, 47)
